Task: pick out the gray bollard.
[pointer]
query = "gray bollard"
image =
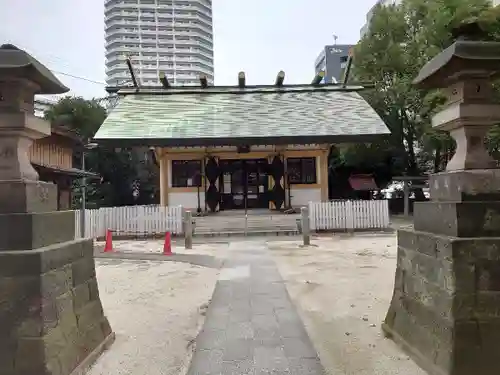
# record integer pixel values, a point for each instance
(188, 230)
(306, 229)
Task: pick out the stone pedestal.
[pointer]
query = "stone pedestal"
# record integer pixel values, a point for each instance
(52, 322)
(51, 314)
(445, 311)
(51, 318)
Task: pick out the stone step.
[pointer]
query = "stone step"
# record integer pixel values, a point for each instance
(250, 219)
(246, 225)
(239, 225)
(243, 224)
(236, 233)
(286, 219)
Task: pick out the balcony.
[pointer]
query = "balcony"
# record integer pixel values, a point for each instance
(115, 33)
(147, 32)
(121, 22)
(119, 70)
(123, 40)
(118, 14)
(194, 26)
(186, 32)
(194, 52)
(118, 77)
(194, 60)
(114, 59)
(121, 50)
(108, 9)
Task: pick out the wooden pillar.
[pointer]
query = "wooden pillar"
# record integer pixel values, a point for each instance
(323, 175)
(163, 161)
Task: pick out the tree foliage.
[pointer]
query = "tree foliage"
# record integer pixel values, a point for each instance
(402, 39)
(83, 116)
(127, 176)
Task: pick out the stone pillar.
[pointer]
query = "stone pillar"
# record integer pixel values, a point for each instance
(445, 310)
(51, 318)
(188, 230)
(306, 226)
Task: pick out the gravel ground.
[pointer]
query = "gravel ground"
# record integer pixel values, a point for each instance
(156, 310)
(342, 287)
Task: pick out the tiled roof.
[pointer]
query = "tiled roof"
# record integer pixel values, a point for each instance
(228, 116)
(70, 172)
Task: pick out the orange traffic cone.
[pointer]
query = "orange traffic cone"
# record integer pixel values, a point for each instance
(167, 246)
(109, 241)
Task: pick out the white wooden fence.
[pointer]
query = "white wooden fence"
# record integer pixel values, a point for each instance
(349, 215)
(130, 220)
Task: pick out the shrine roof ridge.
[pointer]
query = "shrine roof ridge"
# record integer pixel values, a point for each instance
(247, 89)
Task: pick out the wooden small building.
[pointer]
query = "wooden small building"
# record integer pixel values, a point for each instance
(52, 158)
(235, 147)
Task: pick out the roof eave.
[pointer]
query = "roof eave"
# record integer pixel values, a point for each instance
(243, 141)
(67, 133)
(67, 172)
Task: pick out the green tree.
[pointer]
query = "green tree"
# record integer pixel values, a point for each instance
(83, 116)
(119, 168)
(401, 40)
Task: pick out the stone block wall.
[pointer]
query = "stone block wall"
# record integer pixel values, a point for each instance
(51, 318)
(445, 309)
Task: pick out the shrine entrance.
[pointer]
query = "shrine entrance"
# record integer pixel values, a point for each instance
(244, 184)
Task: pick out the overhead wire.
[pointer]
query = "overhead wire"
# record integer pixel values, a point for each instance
(74, 76)
(47, 56)
(78, 77)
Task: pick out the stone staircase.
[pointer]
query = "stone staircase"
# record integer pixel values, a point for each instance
(238, 224)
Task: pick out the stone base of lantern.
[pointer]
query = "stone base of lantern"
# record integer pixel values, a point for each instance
(458, 186)
(51, 318)
(27, 196)
(52, 321)
(445, 310)
(35, 230)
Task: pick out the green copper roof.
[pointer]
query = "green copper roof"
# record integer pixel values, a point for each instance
(231, 116)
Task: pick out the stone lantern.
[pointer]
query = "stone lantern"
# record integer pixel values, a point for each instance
(51, 318)
(445, 310)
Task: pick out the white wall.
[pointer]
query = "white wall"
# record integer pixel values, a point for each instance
(302, 197)
(187, 200)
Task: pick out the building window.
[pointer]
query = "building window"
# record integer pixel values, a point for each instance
(343, 59)
(301, 170)
(186, 173)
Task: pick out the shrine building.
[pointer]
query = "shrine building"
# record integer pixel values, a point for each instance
(241, 147)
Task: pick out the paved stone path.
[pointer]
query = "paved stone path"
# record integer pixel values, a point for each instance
(251, 326)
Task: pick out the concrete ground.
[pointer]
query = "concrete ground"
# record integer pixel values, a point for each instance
(341, 287)
(252, 326)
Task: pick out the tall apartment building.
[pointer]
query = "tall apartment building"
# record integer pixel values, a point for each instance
(369, 15)
(332, 60)
(170, 36)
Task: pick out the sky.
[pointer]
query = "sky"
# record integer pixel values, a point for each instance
(260, 37)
